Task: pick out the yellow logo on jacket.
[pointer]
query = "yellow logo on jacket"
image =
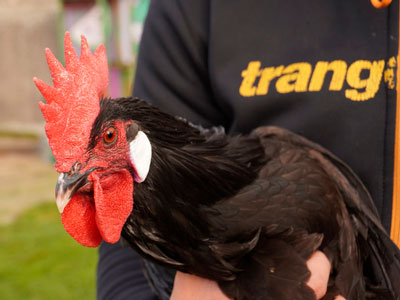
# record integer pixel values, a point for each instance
(363, 78)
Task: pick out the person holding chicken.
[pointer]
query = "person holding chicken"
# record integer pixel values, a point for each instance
(264, 214)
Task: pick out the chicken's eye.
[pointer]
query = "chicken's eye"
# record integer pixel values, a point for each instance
(110, 136)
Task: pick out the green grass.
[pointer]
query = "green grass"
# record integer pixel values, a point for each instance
(39, 260)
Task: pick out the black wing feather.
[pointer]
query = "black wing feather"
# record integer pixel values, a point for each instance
(380, 252)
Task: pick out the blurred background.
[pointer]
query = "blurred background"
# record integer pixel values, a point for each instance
(39, 260)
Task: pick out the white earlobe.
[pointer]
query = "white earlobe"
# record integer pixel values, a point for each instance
(140, 156)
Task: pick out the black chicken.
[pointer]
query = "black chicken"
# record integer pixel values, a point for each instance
(245, 211)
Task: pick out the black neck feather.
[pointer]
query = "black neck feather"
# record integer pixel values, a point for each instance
(189, 164)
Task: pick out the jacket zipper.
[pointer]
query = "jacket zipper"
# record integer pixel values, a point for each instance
(395, 224)
(380, 3)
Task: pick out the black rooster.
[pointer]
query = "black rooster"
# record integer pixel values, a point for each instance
(245, 211)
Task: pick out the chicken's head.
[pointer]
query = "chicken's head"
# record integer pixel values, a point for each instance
(98, 160)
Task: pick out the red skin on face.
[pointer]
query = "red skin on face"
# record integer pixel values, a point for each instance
(100, 212)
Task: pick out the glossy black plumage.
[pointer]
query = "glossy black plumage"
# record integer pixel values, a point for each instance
(247, 211)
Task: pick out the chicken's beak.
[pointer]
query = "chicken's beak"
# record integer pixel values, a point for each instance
(67, 185)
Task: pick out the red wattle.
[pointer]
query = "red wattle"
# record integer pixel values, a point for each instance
(79, 220)
(113, 197)
(89, 223)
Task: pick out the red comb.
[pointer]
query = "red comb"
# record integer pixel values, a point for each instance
(73, 102)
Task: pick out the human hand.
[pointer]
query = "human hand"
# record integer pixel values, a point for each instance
(320, 268)
(191, 287)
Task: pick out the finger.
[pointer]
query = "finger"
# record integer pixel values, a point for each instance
(191, 287)
(339, 297)
(320, 268)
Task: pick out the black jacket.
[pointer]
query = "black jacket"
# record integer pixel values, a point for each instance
(325, 70)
